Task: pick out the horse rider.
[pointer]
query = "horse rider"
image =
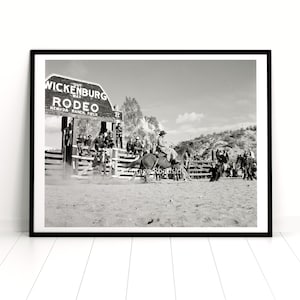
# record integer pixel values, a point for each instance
(162, 147)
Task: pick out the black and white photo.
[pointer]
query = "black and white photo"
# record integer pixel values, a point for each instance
(151, 143)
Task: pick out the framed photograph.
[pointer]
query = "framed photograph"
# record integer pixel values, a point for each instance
(150, 143)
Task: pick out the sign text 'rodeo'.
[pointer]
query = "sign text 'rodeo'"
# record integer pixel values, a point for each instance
(69, 97)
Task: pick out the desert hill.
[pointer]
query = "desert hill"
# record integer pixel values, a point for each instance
(235, 141)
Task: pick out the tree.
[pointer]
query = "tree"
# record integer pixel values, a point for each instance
(135, 124)
(132, 112)
(154, 122)
(132, 116)
(87, 126)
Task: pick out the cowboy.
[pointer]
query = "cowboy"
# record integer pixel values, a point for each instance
(130, 146)
(79, 143)
(99, 142)
(89, 140)
(119, 139)
(162, 147)
(251, 154)
(109, 140)
(214, 170)
(186, 160)
(226, 154)
(138, 146)
(220, 154)
(100, 160)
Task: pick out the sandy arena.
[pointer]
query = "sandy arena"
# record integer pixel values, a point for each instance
(111, 202)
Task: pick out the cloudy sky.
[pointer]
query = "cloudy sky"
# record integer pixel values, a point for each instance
(187, 97)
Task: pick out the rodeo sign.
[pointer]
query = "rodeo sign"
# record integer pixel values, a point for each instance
(74, 98)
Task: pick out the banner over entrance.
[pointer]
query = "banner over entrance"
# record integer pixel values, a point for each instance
(74, 98)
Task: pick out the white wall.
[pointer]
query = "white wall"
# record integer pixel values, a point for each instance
(26, 25)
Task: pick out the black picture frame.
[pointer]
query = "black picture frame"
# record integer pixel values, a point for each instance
(35, 53)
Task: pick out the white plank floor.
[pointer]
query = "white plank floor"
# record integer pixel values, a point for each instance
(149, 268)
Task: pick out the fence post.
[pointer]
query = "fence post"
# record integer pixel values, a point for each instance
(75, 165)
(75, 161)
(114, 158)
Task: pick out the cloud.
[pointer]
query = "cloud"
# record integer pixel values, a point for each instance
(189, 118)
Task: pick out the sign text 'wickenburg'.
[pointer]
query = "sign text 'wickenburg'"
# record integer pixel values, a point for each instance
(69, 97)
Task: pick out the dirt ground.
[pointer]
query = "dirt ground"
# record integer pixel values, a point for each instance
(111, 202)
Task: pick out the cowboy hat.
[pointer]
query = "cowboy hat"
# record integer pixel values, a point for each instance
(162, 132)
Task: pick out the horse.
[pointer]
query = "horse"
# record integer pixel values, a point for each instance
(222, 159)
(150, 161)
(248, 166)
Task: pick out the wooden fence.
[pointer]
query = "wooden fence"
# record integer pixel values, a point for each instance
(117, 166)
(199, 169)
(53, 163)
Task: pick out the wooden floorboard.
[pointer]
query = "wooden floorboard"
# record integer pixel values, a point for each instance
(196, 276)
(151, 271)
(22, 266)
(106, 274)
(279, 265)
(239, 272)
(62, 273)
(293, 241)
(149, 268)
(8, 241)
